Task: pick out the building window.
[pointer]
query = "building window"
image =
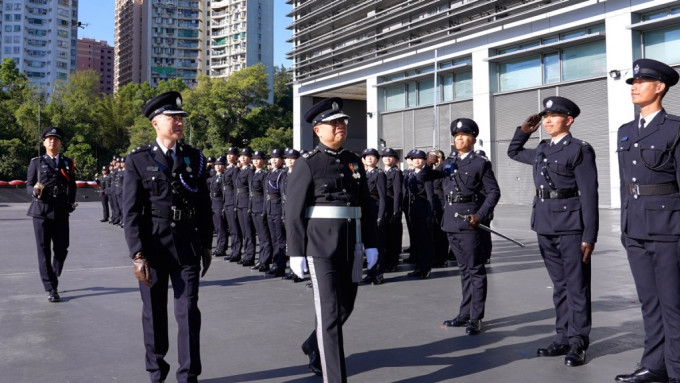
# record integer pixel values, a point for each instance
(662, 44)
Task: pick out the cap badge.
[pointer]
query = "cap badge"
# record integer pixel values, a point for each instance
(549, 104)
(53, 131)
(178, 101)
(459, 124)
(636, 70)
(335, 106)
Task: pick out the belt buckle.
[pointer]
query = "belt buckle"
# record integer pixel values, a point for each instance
(635, 190)
(176, 214)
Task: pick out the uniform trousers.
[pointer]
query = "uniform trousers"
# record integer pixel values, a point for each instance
(263, 237)
(470, 257)
(52, 233)
(119, 205)
(656, 271)
(234, 230)
(105, 206)
(115, 209)
(278, 236)
(155, 322)
(393, 240)
(422, 238)
(220, 225)
(571, 287)
(334, 296)
(247, 235)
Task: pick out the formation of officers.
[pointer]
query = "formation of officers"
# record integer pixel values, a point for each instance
(326, 211)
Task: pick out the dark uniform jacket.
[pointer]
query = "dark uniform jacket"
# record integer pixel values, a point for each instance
(103, 184)
(273, 186)
(645, 158)
(118, 180)
(419, 193)
(257, 182)
(327, 177)
(242, 186)
(469, 187)
(393, 197)
(565, 168)
(377, 184)
(215, 188)
(151, 189)
(228, 185)
(59, 193)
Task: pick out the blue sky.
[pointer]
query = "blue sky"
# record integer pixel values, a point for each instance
(99, 17)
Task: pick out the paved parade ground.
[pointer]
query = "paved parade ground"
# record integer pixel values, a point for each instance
(253, 324)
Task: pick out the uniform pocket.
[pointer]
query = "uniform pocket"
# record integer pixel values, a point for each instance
(566, 214)
(663, 217)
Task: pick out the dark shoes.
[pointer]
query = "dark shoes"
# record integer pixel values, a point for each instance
(53, 296)
(293, 277)
(576, 356)
(104, 220)
(247, 263)
(256, 266)
(459, 321)
(233, 259)
(376, 280)
(554, 349)
(314, 359)
(419, 273)
(644, 375)
(474, 327)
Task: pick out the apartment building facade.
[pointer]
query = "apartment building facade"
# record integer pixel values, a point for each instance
(407, 68)
(98, 56)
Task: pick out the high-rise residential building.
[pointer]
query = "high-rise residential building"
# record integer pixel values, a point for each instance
(159, 40)
(98, 56)
(408, 68)
(40, 36)
(241, 35)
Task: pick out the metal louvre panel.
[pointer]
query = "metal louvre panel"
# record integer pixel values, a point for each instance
(392, 129)
(514, 178)
(407, 122)
(444, 121)
(592, 126)
(423, 122)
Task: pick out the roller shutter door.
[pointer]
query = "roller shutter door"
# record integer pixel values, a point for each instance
(392, 130)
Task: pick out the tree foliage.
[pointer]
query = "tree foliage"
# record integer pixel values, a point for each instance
(222, 112)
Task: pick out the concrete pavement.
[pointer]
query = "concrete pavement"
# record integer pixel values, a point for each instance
(253, 325)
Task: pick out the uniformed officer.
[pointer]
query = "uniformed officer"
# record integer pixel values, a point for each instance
(441, 243)
(470, 191)
(118, 181)
(257, 198)
(103, 183)
(273, 210)
(419, 193)
(393, 199)
(115, 208)
(52, 186)
(377, 185)
(327, 218)
(211, 166)
(408, 172)
(215, 185)
(290, 157)
(565, 219)
(229, 192)
(486, 243)
(168, 228)
(649, 171)
(242, 185)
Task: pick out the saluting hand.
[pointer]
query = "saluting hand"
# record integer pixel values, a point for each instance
(587, 249)
(206, 258)
(531, 124)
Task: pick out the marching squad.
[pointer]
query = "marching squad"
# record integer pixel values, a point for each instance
(326, 215)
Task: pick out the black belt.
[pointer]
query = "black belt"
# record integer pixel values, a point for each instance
(241, 190)
(437, 191)
(459, 198)
(658, 189)
(557, 194)
(256, 193)
(273, 196)
(54, 190)
(173, 213)
(229, 187)
(213, 195)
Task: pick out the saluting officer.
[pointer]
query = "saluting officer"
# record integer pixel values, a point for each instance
(168, 228)
(257, 185)
(393, 198)
(377, 184)
(649, 171)
(273, 210)
(327, 218)
(103, 183)
(470, 190)
(51, 183)
(242, 185)
(229, 192)
(215, 185)
(419, 192)
(408, 172)
(565, 218)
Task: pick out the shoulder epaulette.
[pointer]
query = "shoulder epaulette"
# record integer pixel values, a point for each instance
(310, 154)
(673, 117)
(140, 149)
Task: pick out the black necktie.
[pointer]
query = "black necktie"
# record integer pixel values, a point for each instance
(169, 158)
(54, 162)
(642, 123)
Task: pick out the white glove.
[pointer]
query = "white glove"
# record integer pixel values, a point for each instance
(371, 257)
(298, 265)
